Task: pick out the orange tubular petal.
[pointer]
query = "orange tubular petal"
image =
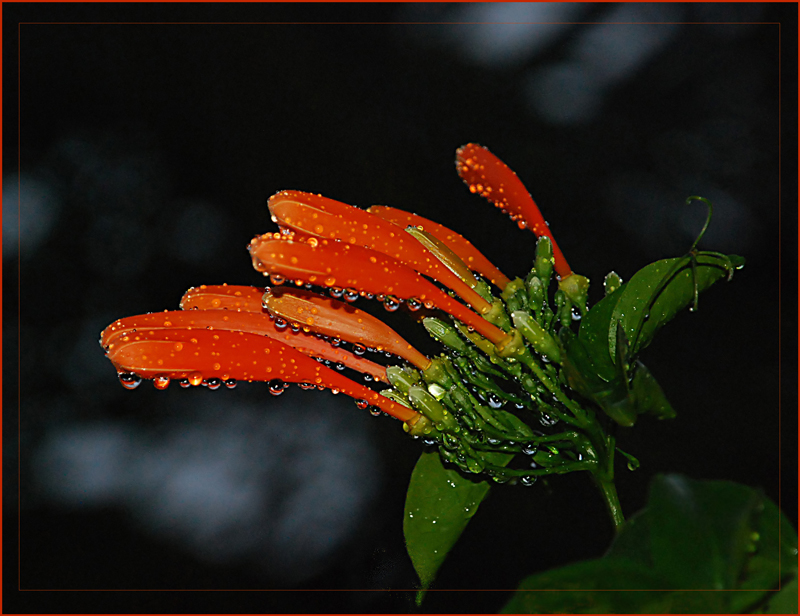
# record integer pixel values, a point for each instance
(331, 317)
(223, 297)
(200, 355)
(307, 213)
(455, 242)
(336, 264)
(492, 179)
(125, 330)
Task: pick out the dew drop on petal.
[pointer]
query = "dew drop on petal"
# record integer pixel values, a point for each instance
(413, 304)
(350, 295)
(391, 303)
(276, 387)
(359, 349)
(161, 382)
(362, 404)
(276, 279)
(230, 383)
(195, 378)
(214, 383)
(129, 380)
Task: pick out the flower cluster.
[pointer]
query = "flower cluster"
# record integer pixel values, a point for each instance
(500, 370)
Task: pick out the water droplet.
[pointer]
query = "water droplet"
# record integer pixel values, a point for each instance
(280, 324)
(230, 383)
(368, 378)
(336, 292)
(276, 279)
(359, 349)
(576, 315)
(374, 411)
(276, 387)
(339, 366)
(213, 383)
(307, 386)
(195, 378)
(129, 380)
(547, 421)
(528, 480)
(350, 295)
(161, 382)
(495, 401)
(335, 342)
(428, 442)
(529, 449)
(184, 383)
(362, 404)
(391, 303)
(413, 304)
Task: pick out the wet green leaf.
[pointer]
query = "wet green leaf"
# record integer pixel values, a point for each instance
(656, 293)
(693, 536)
(439, 504)
(649, 396)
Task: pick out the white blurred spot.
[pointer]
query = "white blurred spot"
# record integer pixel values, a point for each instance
(509, 33)
(564, 93)
(30, 210)
(281, 485)
(602, 56)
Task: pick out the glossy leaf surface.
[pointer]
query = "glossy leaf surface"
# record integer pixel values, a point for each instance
(656, 293)
(693, 536)
(439, 504)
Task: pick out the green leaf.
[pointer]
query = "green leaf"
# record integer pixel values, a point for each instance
(655, 294)
(439, 504)
(700, 532)
(649, 396)
(698, 547)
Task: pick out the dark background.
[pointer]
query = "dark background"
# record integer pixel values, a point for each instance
(137, 159)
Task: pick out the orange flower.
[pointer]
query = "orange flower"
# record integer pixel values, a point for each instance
(309, 214)
(205, 347)
(492, 179)
(348, 266)
(455, 242)
(327, 316)
(249, 299)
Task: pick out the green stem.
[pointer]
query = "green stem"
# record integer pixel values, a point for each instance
(609, 493)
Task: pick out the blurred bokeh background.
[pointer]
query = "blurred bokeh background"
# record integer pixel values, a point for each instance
(149, 137)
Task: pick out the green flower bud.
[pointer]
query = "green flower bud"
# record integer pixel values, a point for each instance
(540, 340)
(535, 293)
(612, 282)
(429, 406)
(576, 288)
(437, 374)
(402, 378)
(445, 333)
(543, 264)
